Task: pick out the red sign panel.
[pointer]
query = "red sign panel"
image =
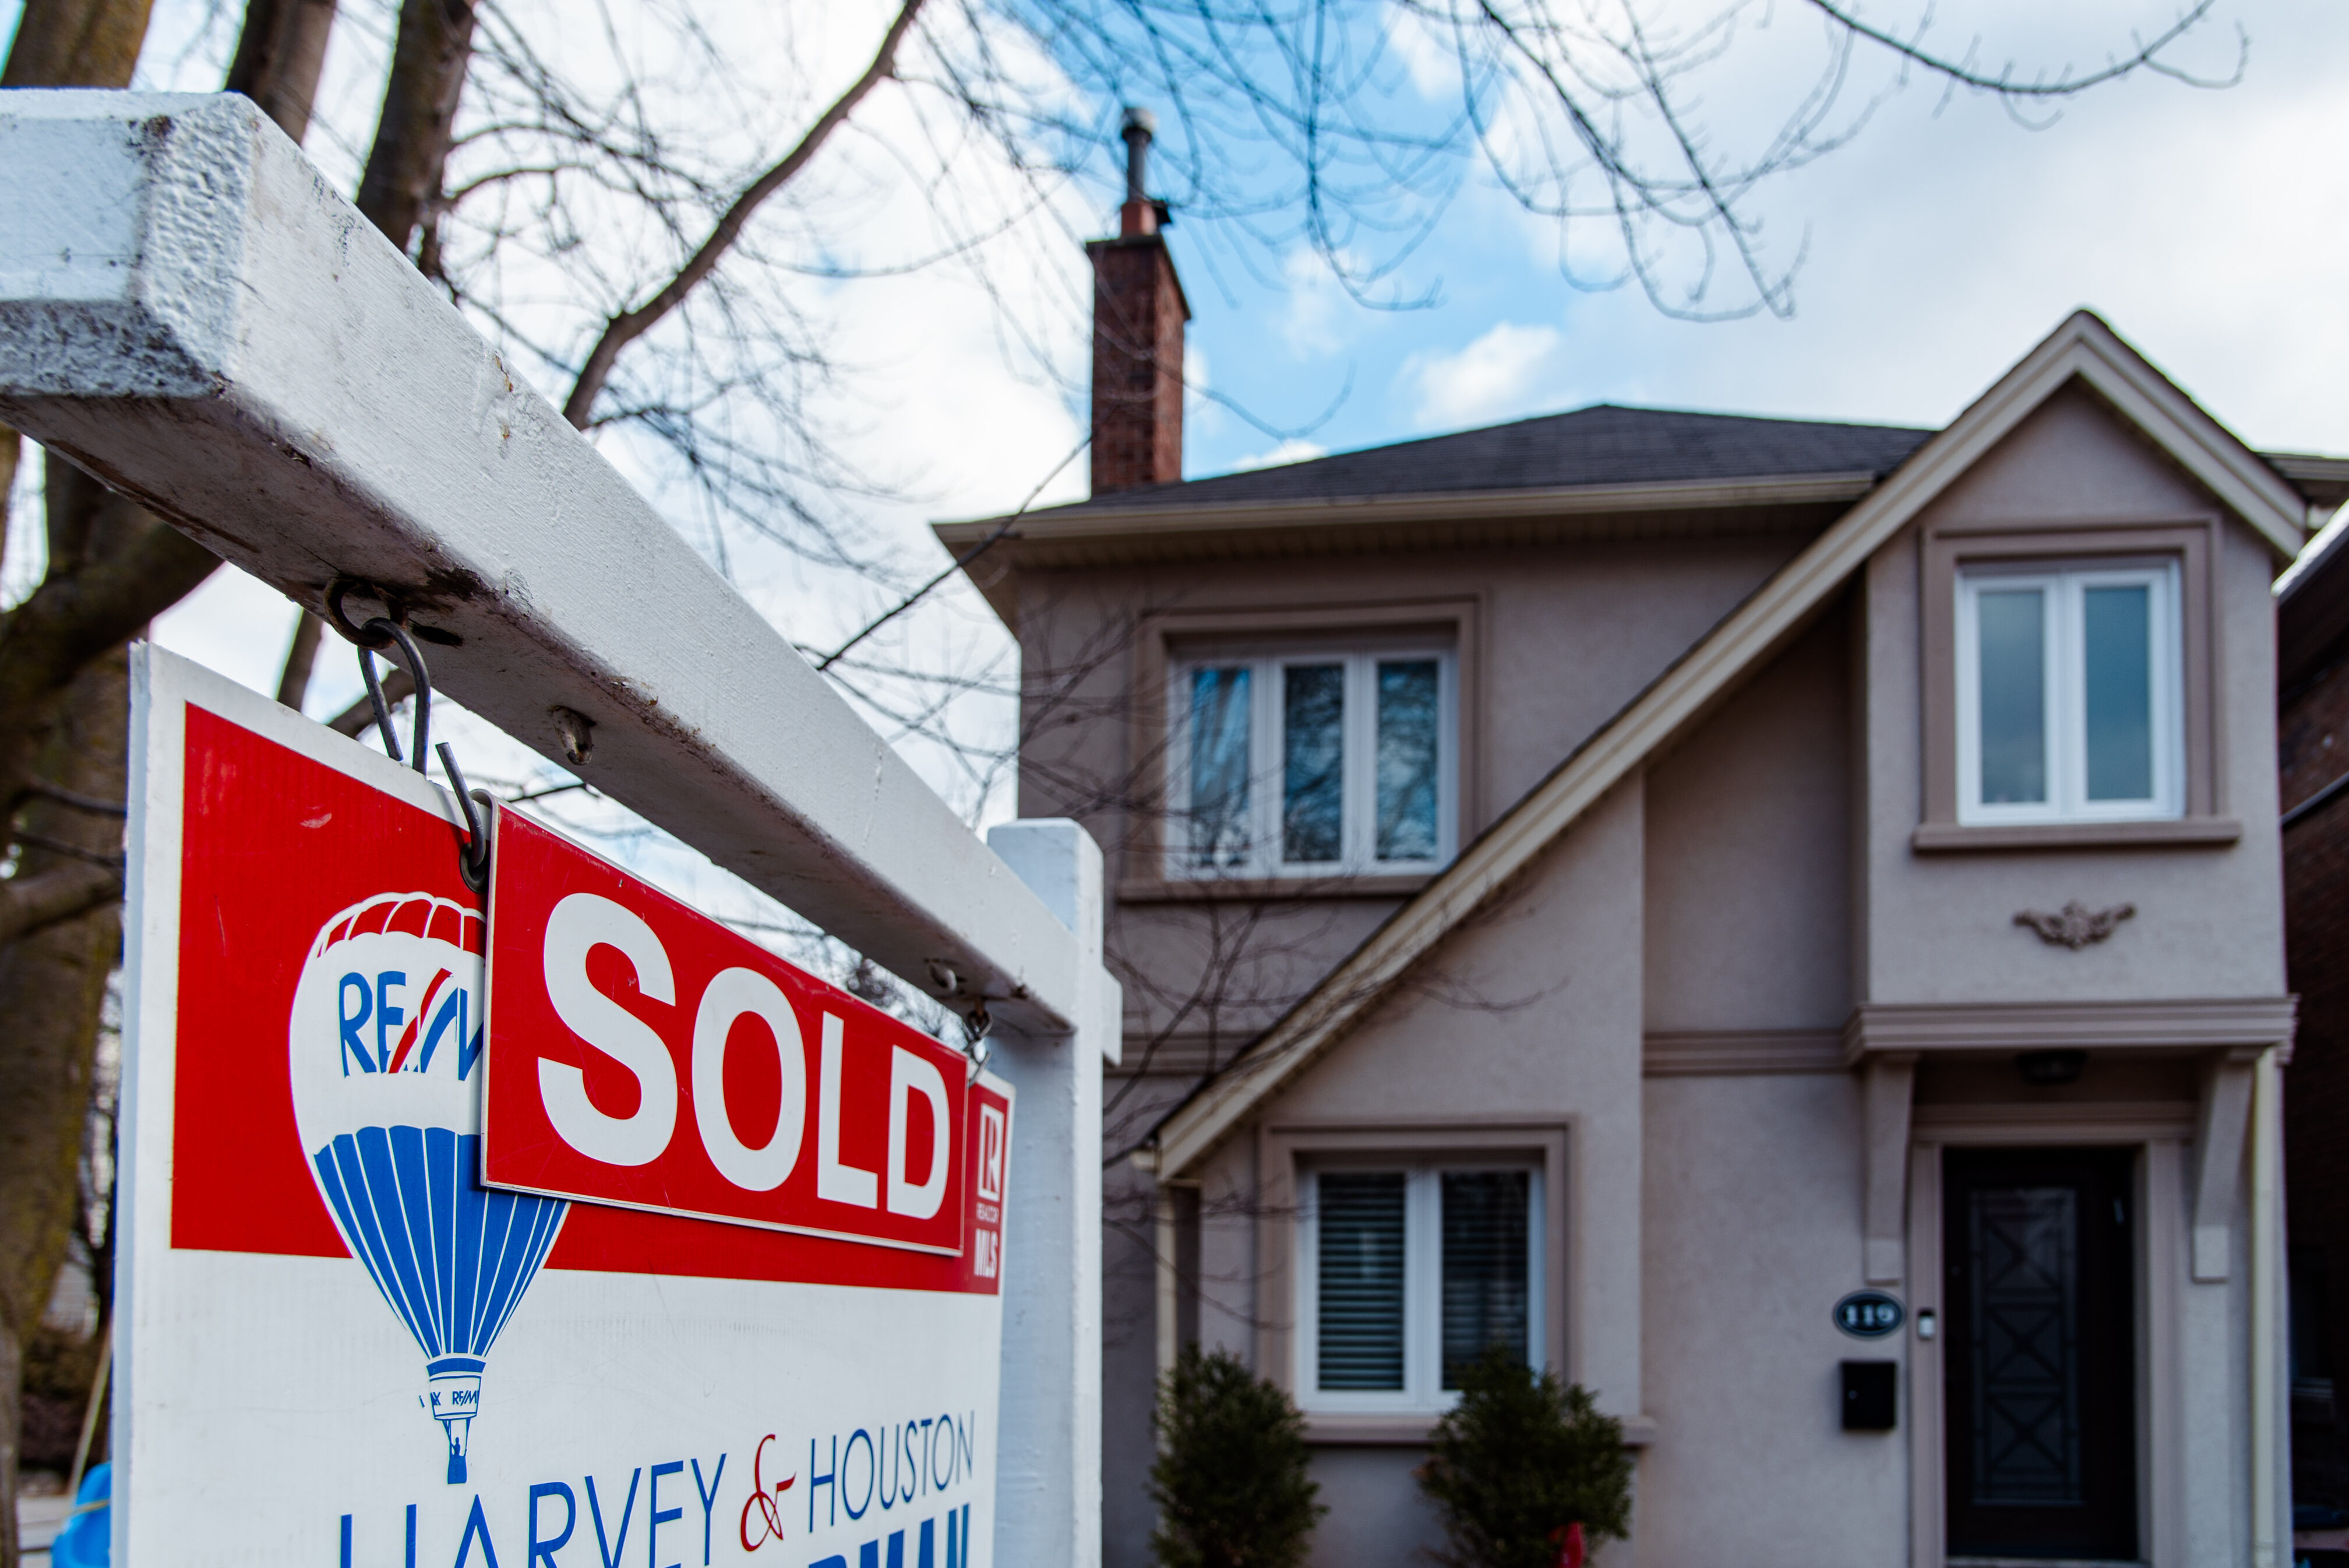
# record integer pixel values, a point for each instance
(644, 1056)
(287, 861)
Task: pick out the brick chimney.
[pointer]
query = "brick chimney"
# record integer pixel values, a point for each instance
(1138, 315)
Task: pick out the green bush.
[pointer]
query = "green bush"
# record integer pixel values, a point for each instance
(1230, 1480)
(1519, 1458)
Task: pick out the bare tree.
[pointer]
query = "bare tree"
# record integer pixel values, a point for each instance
(63, 718)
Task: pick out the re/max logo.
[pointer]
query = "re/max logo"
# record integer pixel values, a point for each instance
(369, 1008)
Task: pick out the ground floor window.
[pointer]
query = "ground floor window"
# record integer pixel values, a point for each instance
(1409, 1271)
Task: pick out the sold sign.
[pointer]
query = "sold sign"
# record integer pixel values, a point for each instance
(643, 1054)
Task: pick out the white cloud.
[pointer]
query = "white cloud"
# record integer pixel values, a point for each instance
(1433, 65)
(1487, 380)
(1319, 313)
(1293, 450)
(1945, 241)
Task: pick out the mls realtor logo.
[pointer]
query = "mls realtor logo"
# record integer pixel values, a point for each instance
(986, 1235)
(385, 1042)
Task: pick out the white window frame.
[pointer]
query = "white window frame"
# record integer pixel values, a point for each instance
(2065, 699)
(1423, 1392)
(1359, 827)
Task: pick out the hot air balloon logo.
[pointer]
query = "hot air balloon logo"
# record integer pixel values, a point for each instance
(386, 1034)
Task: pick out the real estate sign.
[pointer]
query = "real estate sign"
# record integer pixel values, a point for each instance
(573, 1233)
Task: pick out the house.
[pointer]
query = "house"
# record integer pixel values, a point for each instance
(2312, 723)
(1632, 882)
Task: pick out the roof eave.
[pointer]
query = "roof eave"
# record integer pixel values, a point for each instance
(2322, 482)
(1177, 533)
(1075, 524)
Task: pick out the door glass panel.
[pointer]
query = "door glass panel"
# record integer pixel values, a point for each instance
(1313, 762)
(1219, 767)
(2024, 1319)
(2117, 649)
(1485, 1259)
(2012, 637)
(1408, 701)
(1359, 1273)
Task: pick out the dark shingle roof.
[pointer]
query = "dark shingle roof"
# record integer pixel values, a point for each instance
(1601, 445)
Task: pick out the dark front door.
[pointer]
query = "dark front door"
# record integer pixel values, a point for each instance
(2040, 1354)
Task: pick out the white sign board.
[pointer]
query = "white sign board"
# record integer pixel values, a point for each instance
(340, 1346)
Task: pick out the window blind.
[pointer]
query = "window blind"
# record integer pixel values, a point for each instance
(1359, 1324)
(1484, 1284)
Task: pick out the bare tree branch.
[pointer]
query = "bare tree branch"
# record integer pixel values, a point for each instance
(2006, 84)
(630, 325)
(29, 903)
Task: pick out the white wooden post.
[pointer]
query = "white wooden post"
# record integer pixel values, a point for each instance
(1048, 1502)
(189, 311)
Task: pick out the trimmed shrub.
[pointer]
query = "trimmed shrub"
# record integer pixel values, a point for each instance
(1230, 1480)
(1517, 1459)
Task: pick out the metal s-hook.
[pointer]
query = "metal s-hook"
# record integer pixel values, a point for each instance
(473, 858)
(480, 810)
(975, 1025)
(383, 631)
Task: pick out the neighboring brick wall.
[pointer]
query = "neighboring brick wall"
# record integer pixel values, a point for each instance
(2313, 742)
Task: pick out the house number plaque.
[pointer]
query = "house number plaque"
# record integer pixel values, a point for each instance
(1869, 1315)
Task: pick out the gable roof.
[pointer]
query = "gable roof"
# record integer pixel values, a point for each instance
(1602, 472)
(1604, 444)
(2082, 348)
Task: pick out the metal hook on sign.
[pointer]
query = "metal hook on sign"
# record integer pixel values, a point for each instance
(473, 857)
(976, 1024)
(473, 854)
(384, 631)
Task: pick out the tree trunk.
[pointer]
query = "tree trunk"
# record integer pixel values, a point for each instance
(278, 57)
(52, 989)
(64, 716)
(113, 567)
(12, 1434)
(429, 62)
(76, 44)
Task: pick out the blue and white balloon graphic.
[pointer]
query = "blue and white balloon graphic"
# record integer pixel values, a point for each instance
(386, 1037)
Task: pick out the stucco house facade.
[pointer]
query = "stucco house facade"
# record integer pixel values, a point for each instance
(1623, 882)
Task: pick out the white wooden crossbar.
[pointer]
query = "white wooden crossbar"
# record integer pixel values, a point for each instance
(189, 312)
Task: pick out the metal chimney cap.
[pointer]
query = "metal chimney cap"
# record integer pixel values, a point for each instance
(1137, 119)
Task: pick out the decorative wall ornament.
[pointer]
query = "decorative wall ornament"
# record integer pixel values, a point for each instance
(2076, 925)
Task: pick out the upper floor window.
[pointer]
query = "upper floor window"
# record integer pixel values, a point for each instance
(1314, 762)
(1409, 1273)
(2068, 689)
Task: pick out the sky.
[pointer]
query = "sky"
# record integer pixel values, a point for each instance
(2209, 227)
